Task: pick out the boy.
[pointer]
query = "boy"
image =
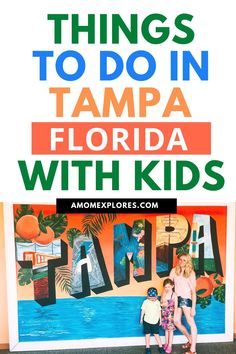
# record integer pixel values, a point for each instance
(150, 318)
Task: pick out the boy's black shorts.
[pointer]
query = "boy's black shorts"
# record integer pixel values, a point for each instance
(149, 328)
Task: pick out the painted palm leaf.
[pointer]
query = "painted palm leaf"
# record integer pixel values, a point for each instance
(93, 224)
(63, 278)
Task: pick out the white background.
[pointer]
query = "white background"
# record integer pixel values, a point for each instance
(25, 99)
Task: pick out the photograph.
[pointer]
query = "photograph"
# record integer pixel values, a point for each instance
(117, 183)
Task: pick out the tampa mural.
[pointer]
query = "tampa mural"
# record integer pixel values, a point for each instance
(82, 276)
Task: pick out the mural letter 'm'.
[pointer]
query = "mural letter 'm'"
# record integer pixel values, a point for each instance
(132, 245)
(172, 231)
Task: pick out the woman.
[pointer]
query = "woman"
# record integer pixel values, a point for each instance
(184, 278)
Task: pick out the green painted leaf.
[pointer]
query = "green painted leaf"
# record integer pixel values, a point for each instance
(25, 276)
(219, 293)
(42, 227)
(138, 226)
(58, 222)
(71, 234)
(24, 209)
(204, 301)
(19, 239)
(123, 261)
(201, 291)
(40, 216)
(183, 249)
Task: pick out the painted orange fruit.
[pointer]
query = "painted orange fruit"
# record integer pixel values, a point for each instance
(27, 227)
(45, 238)
(204, 287)
(216, 280)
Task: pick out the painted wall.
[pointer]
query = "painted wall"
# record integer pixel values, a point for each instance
(235, 288)
(3, 297)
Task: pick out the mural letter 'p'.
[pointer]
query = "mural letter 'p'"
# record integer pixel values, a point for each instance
(132, 245)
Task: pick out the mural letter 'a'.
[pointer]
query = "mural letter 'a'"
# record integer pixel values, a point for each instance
(204, 247)
(132, 245)
(88, 268)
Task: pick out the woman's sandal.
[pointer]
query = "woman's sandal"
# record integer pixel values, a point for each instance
(186, 345)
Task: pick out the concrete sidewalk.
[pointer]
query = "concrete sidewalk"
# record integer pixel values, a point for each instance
(215, 348)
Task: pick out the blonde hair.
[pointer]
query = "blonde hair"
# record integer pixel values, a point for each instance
(188, 267)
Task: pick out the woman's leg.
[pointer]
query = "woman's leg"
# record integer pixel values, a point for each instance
(179, 325)
(193, 327)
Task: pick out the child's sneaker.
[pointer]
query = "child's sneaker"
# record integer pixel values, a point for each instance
(161, 350)
(148, 351)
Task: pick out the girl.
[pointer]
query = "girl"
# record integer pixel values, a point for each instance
(184, 279)
(169, 305)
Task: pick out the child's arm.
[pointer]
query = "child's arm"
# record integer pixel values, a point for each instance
(141, 316)
(176, 304)
(160, 315)
(162, 299)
